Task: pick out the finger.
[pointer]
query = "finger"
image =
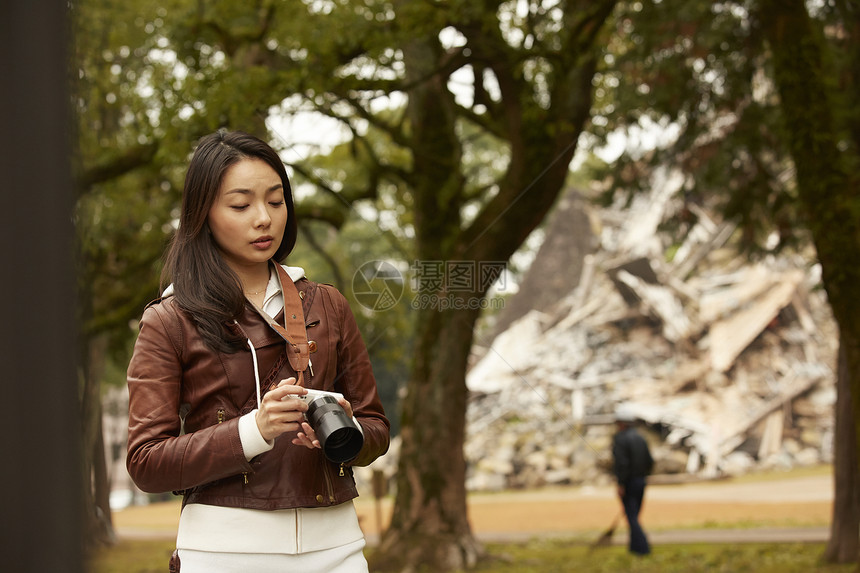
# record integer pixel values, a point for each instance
(302, 439)
(309, 431)
(283, 393)
(288, 427)
(282, 409)
(281, 413)
(311, 434)
(293, 417)
(347, 407)
(287, 389)
(272, 425)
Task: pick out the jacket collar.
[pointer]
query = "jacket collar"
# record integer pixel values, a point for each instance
(295, 273)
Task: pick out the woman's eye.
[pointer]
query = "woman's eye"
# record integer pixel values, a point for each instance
(276, 203)
(238, 207)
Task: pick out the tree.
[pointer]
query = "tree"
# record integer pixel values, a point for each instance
(843, 546)
(824, 158)
(119, 234)
(543, 69)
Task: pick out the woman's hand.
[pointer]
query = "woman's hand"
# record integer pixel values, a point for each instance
(280, 411)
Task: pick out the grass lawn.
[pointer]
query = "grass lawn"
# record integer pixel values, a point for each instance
(555, 556)
(132, 556)
(569, 551)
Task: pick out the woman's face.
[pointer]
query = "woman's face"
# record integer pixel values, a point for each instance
(249, 215)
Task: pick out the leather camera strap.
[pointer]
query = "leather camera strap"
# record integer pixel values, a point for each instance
(293, 331)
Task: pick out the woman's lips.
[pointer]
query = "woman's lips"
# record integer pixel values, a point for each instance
(263, 243)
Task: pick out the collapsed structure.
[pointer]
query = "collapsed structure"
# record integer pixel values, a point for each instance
(729, 363)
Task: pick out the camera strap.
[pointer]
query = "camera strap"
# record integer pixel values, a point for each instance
(293, 331)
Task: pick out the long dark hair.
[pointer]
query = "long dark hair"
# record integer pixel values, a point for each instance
(204, 286)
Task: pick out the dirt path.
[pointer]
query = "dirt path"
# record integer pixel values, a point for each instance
(803, 502)
(778, 508)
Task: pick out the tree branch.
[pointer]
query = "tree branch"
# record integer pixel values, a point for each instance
(115, 166)
(335, 268)
(332, 215)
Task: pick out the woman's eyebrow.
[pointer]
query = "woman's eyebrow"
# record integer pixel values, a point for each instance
(244, 191)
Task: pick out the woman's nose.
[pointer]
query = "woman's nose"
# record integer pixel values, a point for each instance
(262, 217)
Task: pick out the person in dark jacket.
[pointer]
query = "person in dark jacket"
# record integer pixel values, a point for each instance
(632, 462)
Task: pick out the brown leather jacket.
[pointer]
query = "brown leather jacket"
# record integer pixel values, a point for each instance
(173, 376)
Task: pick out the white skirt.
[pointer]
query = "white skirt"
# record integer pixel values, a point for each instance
(347, 558)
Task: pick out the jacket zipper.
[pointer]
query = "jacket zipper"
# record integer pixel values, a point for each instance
(328, 483)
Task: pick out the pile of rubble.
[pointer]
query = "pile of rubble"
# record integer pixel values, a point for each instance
(728, 363)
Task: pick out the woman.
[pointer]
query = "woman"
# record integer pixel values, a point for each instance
(219, 369)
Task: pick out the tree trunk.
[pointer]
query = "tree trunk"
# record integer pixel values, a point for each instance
(99, 523)
(431, 490)
(430, 527)
(825, 190)
(844, 543)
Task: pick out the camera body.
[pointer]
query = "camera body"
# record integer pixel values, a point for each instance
(339, 435)
(314, 394)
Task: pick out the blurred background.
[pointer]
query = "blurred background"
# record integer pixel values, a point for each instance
(539, 210)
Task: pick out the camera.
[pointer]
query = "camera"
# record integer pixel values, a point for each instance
(339, 435)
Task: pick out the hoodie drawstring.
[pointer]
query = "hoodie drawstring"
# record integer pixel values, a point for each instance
(256, 368)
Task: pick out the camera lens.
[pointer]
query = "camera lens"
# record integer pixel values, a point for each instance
(340, 438)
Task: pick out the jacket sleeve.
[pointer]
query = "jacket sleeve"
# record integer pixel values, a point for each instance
(160, 457)
(355, 378)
